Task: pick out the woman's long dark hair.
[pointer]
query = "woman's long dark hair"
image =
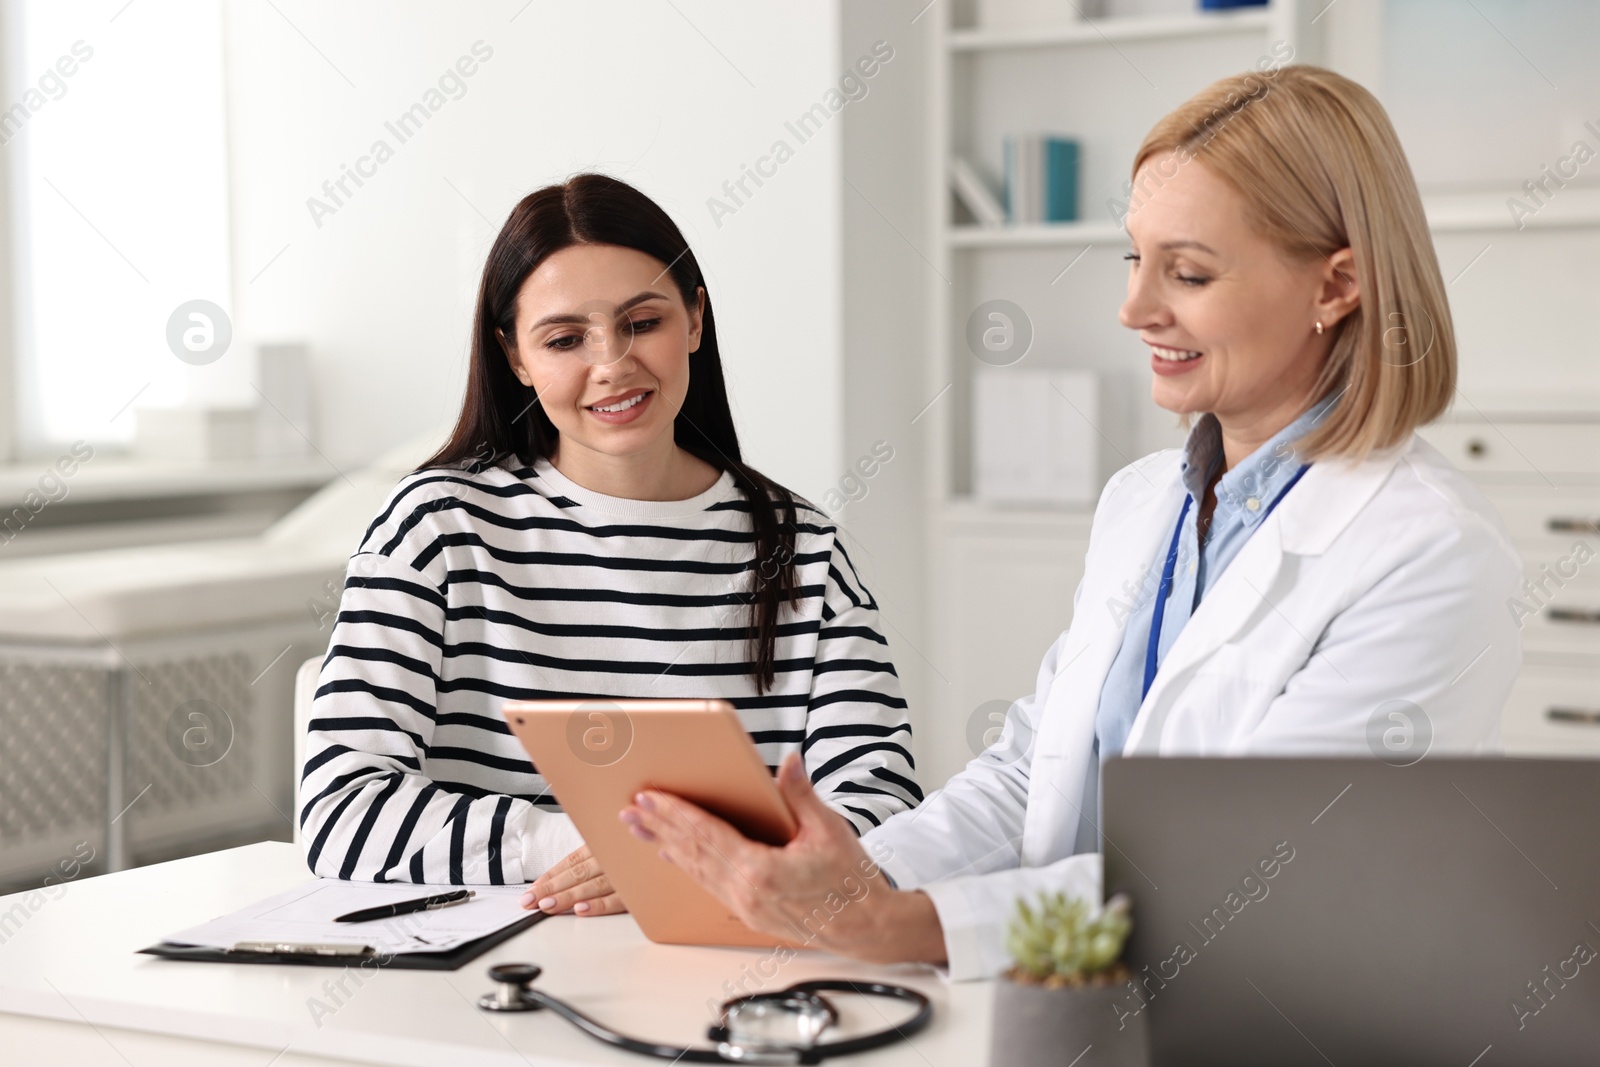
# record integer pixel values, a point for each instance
(501, 417)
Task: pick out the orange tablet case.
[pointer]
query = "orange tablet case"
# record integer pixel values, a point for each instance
(596, 754)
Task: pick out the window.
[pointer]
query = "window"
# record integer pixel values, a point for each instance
(113, 136)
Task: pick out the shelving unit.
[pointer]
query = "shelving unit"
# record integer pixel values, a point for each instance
(1466, 212)
(1104, 82)
(1092, 80)
(989, 82)
(1457, 213)
(1007, 574)
(1035, 235)
(1111, 31)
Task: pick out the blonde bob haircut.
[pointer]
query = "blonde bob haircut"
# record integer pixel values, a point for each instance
(1317, 161)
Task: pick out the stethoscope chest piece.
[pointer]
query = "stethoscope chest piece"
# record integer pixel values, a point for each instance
(511, 988)
(772, 1027)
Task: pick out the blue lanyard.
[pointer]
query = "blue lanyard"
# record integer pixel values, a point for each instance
(1169, 571)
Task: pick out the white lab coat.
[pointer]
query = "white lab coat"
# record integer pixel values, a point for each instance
(1383, 580)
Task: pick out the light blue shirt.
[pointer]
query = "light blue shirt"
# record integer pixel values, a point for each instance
(1244, 496)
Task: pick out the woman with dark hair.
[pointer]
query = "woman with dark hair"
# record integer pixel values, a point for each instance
(589, 530)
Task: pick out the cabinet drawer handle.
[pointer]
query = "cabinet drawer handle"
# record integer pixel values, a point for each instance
(1587, 716)
(1582, 616)
(1567, 525)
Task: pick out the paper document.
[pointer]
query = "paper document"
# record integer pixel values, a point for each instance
(305, 914)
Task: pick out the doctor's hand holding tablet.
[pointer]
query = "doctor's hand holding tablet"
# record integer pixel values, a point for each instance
(1304, 560)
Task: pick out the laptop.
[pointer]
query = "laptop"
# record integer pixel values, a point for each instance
(1346, 911)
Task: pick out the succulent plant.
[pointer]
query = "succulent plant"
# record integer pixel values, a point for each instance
(1064, 941)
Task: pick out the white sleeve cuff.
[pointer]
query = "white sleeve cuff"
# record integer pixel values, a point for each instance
(974, 946)
(975, 910)
(546, 840)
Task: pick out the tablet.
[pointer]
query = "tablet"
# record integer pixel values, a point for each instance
(596, 754)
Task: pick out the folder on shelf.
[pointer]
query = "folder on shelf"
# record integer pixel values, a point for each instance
(974, 193)
(298, 926)
(1035, 436)
(1023, 203)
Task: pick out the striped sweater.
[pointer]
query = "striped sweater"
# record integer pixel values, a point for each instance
(473, 588)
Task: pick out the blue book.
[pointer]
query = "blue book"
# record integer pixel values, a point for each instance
(1060, 180)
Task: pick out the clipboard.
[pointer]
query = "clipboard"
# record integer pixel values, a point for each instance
(305, 924)
(448, 960)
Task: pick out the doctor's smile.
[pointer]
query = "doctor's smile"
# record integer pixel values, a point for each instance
(1041, 578)
(1167, 360)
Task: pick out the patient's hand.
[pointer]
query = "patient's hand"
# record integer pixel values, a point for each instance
(575, 883)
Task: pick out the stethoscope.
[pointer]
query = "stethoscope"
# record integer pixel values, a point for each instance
(742, 1025)
(1169, 573)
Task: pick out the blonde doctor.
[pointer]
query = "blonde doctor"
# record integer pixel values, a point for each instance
(1305, 568)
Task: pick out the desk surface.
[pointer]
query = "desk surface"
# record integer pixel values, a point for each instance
(70, 977)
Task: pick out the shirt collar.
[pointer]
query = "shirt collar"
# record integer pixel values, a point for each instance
(1249, 489)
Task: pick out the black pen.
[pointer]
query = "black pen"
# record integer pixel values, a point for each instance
(405, 907)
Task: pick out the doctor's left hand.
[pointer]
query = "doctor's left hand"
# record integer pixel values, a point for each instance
(577, 883)
(821, 888)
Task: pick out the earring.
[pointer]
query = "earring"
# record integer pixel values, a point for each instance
(1319, 327)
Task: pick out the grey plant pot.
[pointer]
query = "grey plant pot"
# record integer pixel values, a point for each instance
(1038, 1027)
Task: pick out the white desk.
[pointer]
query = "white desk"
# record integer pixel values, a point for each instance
(74, 991)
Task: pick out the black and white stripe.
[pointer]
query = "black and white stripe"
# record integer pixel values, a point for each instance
(473, 588)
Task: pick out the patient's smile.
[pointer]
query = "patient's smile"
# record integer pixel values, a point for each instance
(622, 408)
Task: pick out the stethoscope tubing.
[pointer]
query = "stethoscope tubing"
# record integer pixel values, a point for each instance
(1169, 571)
(812, 1055)
(601, 1032)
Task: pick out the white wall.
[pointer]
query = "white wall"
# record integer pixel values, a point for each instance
(674, 103)
(887, 336)
(1484, 97)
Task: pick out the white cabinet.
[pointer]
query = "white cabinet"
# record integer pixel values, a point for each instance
(1543, 476)
(1001, 581)
(1498, 449)
(1553, 711)
(1005, 582)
